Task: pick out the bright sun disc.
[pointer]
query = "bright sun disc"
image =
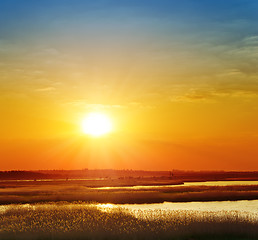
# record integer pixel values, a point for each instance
(96, 124)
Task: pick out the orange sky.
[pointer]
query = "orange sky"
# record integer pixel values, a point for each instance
(179, 82)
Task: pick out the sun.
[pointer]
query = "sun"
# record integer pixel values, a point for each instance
(96, 124)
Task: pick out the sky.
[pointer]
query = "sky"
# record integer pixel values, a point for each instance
(178, 79)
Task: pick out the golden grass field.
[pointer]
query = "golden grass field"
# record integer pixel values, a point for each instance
(79, 220)
(62, 209)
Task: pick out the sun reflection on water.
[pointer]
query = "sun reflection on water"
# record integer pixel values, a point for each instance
(106, 207)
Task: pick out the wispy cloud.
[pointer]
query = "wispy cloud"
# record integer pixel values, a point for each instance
(82, 103)
(45, 89)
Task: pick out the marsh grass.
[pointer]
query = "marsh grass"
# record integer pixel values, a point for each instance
(80, 220)
(119, 192)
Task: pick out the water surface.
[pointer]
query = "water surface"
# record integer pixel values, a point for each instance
(186, 184)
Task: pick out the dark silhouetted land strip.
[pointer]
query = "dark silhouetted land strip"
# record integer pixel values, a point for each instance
(110, 186)
(119, 191)
(129, 174)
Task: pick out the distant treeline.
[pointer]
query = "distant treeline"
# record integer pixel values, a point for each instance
(16, 175)
(116, 174)
(215, 175)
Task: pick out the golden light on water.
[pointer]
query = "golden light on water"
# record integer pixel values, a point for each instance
(96, 124)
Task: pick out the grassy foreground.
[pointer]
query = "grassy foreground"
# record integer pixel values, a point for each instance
(87, 221)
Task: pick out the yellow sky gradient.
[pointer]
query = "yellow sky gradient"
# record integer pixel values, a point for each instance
(181, 90)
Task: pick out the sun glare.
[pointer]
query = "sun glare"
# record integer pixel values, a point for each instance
(96, 124)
